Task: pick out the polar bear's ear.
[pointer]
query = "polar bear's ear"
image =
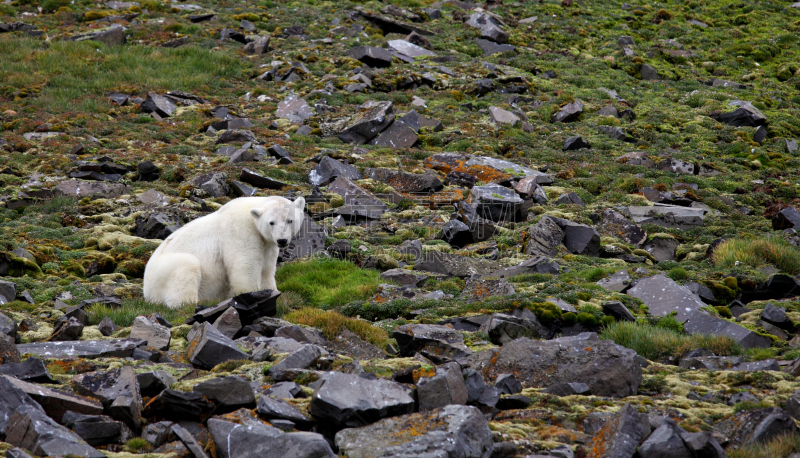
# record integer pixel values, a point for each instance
(256, 212)
(300, 203)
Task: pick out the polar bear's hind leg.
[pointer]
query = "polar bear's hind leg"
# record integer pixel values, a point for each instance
(176, 280)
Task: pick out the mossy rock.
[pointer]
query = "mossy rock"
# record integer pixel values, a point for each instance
(133, 268)
(15, 266)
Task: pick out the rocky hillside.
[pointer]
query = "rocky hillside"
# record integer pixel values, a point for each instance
(555, 228)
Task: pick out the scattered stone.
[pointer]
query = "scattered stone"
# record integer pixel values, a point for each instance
(294, 108)
(210, 347)
(568, 389)
(178, 406)
(358, 203)
(666, 441)
(621, 434)
(372, 56)
(428, 339)
(569, 112)
(506, 327)
(151, 384)
(301, 358)
(345, 400)
(118, 390)
(31, 429)
(366, 125)
(214, 183)
(750, 427)
(453, 430)
(443, 388)
(502, 116)
(252, 438)
(489, 47)
(649, 73)
(489, 26)
(158, 104)
(227, 393)
(270, 409)
(745, 115)
(497, 203)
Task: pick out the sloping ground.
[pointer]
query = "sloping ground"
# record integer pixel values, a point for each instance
(512, 171)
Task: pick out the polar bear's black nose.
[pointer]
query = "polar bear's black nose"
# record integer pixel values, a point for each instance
(282, 242)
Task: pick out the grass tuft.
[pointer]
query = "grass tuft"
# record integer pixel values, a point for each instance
(783, 445)
(131, 308)
(758, 252)
(327, 283)
(655, 343)
(333, 323)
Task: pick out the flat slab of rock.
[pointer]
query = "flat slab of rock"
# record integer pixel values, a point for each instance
(455, 265)
(31, 429)
(253, 438)
(702, 323)
(667, 216)
(91, 189)
(452, 430)
(294, 108)
(663, 296)
(120, 348)
(609, 369)
(748, 427)
(56, 403)
(210, 347)
(347, 400)
(487, 169)
(438, 341)
(358, 203)
(367, 124)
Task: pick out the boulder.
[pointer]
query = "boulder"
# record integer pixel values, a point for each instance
(294, 108)
(372, 56)
(270, 408)
(9, 354)
(178, 406)
(661, 248)
(429, 339)
(227, 393)
(575, 143)
(568, 389)
(750, 427)
(618, 282)
(544, 238)
(406, 182)
(787, 218)
(11, 398)
(497, 203)
(298, 359)
(615, 224)
(214, 183)
(454, 265)
(210, 347)
(443, 388)
(152, 332)
(151, 384)
(501, 116)
(489, 47)
(618, 310)
(94, 429)
(158, 104)
(666, 442)
(663, 296)
(368, 123)
(346, 400)
(777, 317)
(329, 169)
(156, 226)
(580, 238)
(569, 112)
(398, 135)
(451, 431)
(120, 348)
(118, 390)
(29, 428)
(358, 203)
(92, 189)
(31, 370)
(252, 438)
(506, 327)
(609, 369)
(745, 115)
(621, 434)
(489, 26)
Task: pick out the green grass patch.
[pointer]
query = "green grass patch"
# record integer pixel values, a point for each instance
(131, 308)
(327, 283)
(758, 252)
(655, 343)
(69, 76)
(333, 323)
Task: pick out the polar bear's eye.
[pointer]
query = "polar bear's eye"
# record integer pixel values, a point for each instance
(272, 223)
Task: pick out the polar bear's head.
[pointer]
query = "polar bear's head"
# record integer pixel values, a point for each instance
(279, 220)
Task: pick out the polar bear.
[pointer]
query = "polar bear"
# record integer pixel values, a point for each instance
(231, 251)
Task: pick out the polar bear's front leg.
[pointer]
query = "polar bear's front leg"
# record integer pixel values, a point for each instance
(270, 265)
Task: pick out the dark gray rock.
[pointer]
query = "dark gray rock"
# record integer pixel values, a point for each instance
(666, 442)
(151, 384)
(188, 440)
(67, 330)
(513, 402)
(358, 203)
(791, 146)
(662, 248)
(258, 47)
(649, 73)
(398, 135)
(444, 388)
(453, 430)
(254, 439)
(615, 224)
(294, 108)
(618, 310)
(372, 56)
(368, 123)
(480, 229)
(158, 104)
(227, 393)
(580, 238)
(497, 203)
(270, 409)
(284, 390)
(31, 370)
(505, 327)
(750, 427)
(702, 323)
(475, 384)
(210, 347)
(490, 28)
(151, 331)
(609, 369)
(454, 265)
(11, 398)
(508, 384)
(346, 400)
(229, 323)
(619, 282)
(298, 359)
(329, 169)
(489, 47)
(727, 363)
(616, 133)
(94, 429)
(569, 198)
(534, 265)
(787, 218)
(260, 181)
(156, 226)
(405, 182)
(703, 444)
(8, 291)
(9, 354)
(118, 390)
(569, 112)
(745, 115)
(428, 339)
(178, 406)
(777, 317)
(621, 434)
(302, 334)
(214, 183)
(568, 389)
(663, 296)
(544, 238)
(29, 428)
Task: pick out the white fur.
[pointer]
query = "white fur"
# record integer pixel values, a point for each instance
(231, 251)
